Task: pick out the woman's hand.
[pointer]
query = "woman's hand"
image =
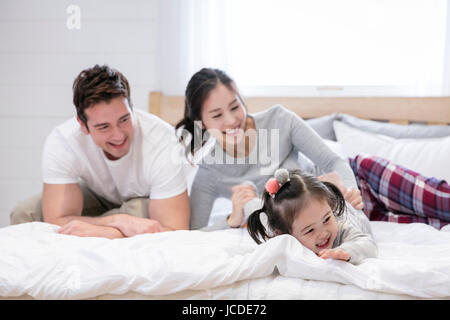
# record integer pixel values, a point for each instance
(241, 194)
(337, 254)
(351, 195)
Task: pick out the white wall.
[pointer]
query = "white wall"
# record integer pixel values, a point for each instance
(39, 59)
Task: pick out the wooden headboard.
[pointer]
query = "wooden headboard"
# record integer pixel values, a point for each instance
(400, 110)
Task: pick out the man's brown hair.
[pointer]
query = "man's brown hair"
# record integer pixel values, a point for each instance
(98, 84)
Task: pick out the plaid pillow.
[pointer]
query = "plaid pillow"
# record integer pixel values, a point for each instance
(393, 193)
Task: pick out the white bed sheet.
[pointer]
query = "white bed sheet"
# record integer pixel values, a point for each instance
(37, 262)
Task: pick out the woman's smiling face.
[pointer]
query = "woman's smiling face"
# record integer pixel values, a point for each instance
(224, 116)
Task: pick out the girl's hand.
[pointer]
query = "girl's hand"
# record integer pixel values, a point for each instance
(337, 254)
(241, 194)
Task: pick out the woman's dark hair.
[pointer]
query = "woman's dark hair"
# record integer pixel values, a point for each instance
(197, 91)
(282, 209)
(98, 84)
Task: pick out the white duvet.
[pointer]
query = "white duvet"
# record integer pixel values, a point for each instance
(35, 260)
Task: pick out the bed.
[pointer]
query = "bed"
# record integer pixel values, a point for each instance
(413, 262)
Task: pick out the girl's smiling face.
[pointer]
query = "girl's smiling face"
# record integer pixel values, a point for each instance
(315, 226)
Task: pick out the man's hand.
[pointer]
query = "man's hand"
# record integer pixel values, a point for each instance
(131, 225)
(115, 226)
(337, 254)
(85, 229)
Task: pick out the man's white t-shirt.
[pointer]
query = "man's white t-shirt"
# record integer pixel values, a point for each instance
(152, 167)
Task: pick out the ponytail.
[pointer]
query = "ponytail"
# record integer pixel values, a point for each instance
(337, 199)
(255, 227)
(191, 135)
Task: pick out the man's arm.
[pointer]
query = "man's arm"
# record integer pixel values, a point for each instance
(164, 215)
(62, 205)
(172, 213)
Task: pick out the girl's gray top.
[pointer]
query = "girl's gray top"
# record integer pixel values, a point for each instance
(284, 140)
(358, 244)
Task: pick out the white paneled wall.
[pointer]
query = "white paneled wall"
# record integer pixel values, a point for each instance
(39, 59)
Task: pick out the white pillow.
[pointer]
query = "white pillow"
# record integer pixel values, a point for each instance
(429, 156)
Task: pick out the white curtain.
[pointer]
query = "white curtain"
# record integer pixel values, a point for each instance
(445, 84)
(192, 36)
(294, 47)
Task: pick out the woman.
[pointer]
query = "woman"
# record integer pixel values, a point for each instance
(248, 148)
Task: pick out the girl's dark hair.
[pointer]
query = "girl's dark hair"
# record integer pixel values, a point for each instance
(98, 84)
(282, 210)
(197, 91)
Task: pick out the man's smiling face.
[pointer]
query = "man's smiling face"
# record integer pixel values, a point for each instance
(110, 126)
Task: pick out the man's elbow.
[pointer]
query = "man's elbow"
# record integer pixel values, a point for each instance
(182, 224)
(54, 219)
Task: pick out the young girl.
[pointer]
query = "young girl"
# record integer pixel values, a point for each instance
(312, 211)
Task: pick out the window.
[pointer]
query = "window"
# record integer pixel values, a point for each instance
(336, 46)
(320, 47)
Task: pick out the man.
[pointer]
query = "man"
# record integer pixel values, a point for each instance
(109, 171)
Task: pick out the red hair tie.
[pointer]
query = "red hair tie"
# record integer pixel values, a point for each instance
(274, 184)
